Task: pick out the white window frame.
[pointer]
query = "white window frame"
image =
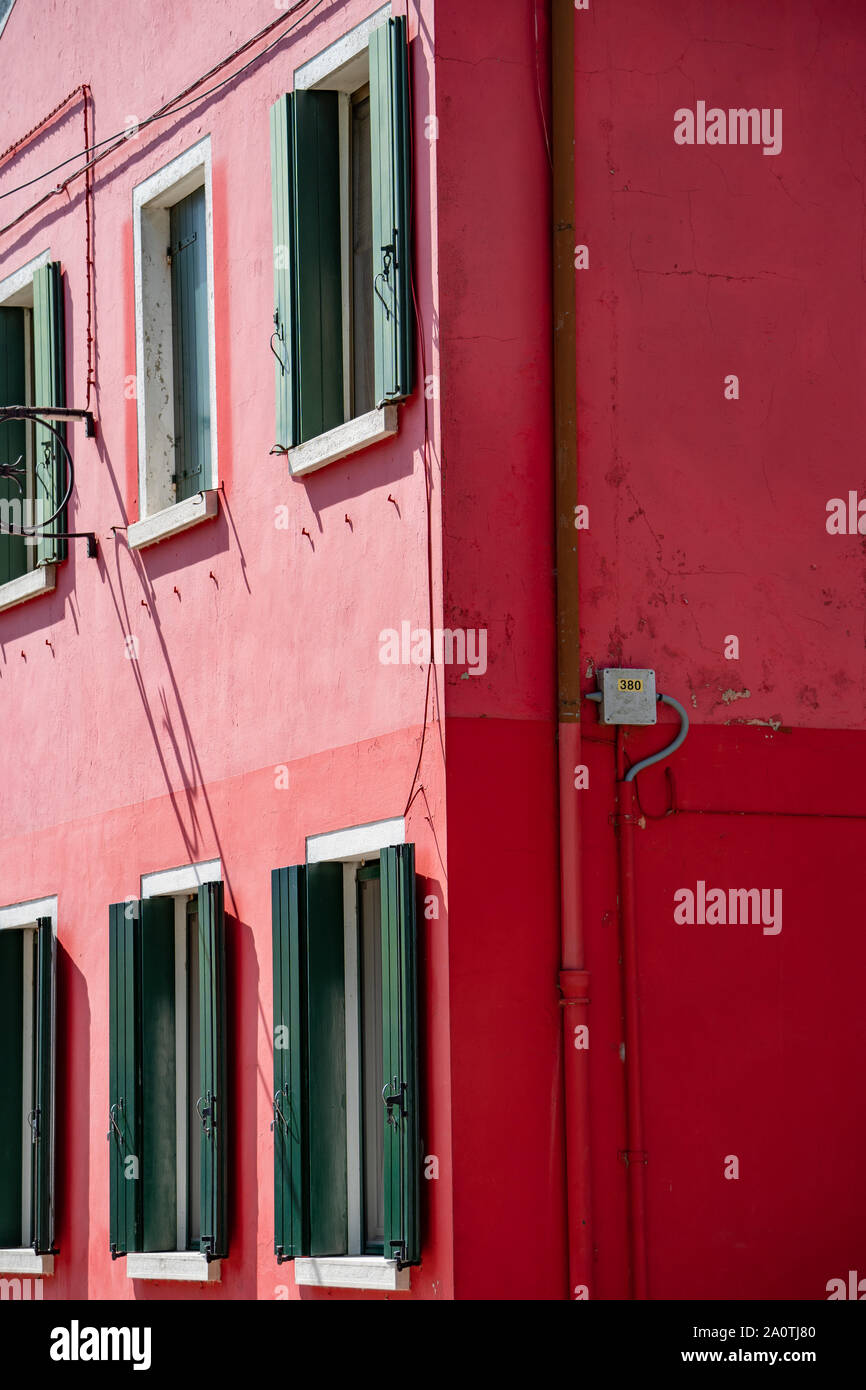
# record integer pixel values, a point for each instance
(180, 1264)
(343, 67)
(160, 515)
(24, 916)
(16, 292)
(353, 1271)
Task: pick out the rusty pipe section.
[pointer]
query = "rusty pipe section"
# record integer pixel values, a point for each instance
(573, 976)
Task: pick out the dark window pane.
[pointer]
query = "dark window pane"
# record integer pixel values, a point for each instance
(189, 309)
(372, 1080)
(194, 1074)
(363, 397)
(11, 1082)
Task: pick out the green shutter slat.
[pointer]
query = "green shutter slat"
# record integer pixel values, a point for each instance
(326, 1054)
(400, 1054)
(393, 317)
(283, 339)
(43, 1147)
(11, 1085)
(124, 1051)
(158, 1180)
(190, 344)
(13, 439)
(318, 282)
(214, 1070)
(290, 1123)
(49, 389)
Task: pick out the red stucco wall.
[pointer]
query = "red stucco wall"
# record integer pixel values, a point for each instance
(259, 646)
(707, 519)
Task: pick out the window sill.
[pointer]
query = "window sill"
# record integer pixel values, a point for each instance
(344, 439)
(351, 1272)
(26, 586)
(186, 1265)
(24, 1261)
(174, 519)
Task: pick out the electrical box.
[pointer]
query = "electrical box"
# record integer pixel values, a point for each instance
(628, 696)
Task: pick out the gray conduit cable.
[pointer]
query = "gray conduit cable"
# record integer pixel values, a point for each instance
(665, 752)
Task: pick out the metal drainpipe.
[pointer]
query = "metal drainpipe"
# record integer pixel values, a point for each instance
(634, 1155)
(573, 976)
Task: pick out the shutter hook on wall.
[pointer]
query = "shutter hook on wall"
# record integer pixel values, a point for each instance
(284, 1090)
(114, 1124)
(205, 1113)
(395, 1099)
(388, 252)
(278, 333)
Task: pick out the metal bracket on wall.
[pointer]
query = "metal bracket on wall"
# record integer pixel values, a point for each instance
(50, 412)
(45, 415)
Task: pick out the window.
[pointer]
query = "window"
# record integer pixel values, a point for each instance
(188, 262)
(16, 437)
(175, 326)
(27, 1083)
(31, 373)
(168, 1072)
(361, 395)
(343, 326)
(346, 1142)
(5, 11)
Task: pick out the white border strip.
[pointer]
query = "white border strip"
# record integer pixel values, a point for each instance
(173, 519)
(185, 879)
(348, 438)
(350, 1272)
(326, 63)
(173, 1264)
(29, 585)
(25, 1262)
(26, 914)
(190, 170)
(357, 841)
(21, 278)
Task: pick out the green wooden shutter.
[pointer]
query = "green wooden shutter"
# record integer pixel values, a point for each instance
(291, 1122)
(393, 319)
(318, 282)
(158, 1143)
(190, 346)
(13, 440)
(43, 1118)
(285, 319)
(11, 1085)
(49, 389)
(326, 1052)
(124, 1048)
(400, 1055)
(214, 1070)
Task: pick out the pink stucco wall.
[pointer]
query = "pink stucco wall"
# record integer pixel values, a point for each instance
(258, 646)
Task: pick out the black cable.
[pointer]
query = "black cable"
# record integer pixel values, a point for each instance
(170, 109)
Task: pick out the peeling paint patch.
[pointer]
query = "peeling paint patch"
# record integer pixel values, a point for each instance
(774, 724)
(728, 696)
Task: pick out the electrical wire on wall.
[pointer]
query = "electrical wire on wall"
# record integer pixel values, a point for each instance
(171, 108)
(428, 479)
